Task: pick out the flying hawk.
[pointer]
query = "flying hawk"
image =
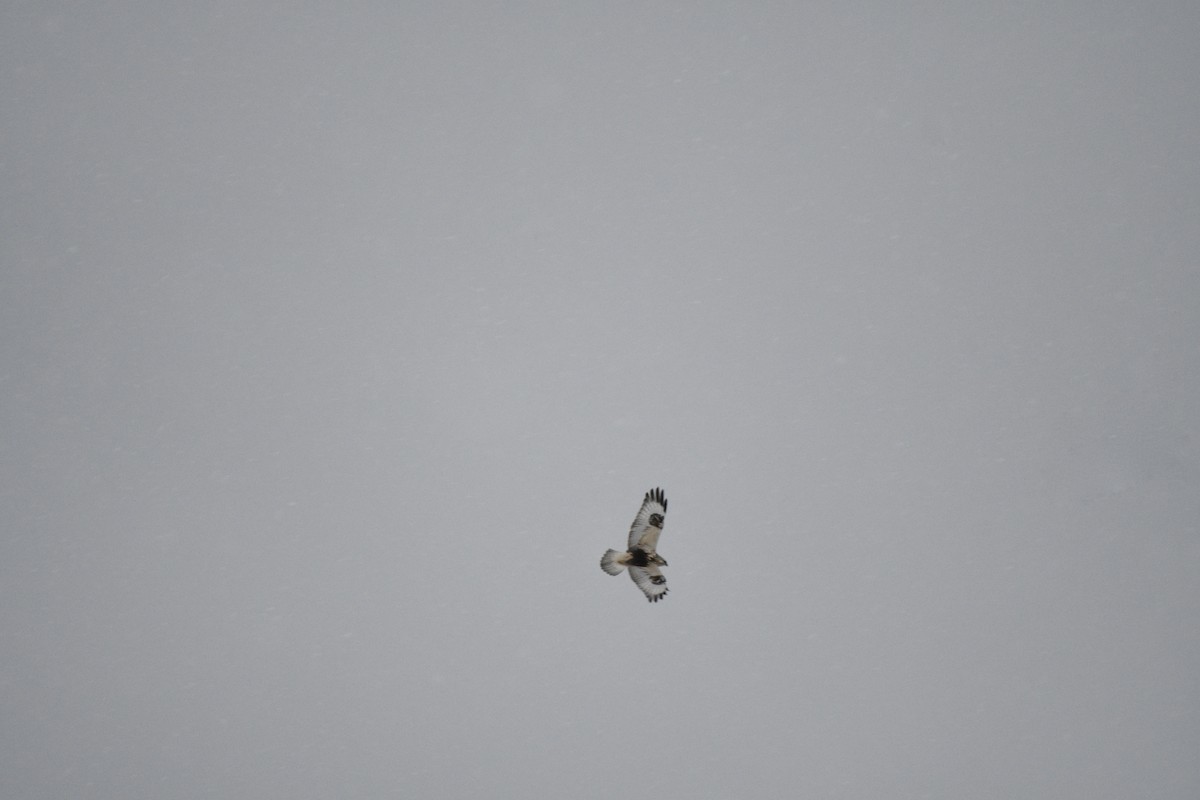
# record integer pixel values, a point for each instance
(642, 558)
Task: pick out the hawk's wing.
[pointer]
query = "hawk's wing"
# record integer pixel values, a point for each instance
(648, 523)
(651, 581)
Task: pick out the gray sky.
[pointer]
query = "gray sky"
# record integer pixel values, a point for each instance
(337, 345)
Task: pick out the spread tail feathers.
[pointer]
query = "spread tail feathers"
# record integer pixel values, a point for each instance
(609, 563)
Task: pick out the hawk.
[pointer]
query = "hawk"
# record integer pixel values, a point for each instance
(642, 557)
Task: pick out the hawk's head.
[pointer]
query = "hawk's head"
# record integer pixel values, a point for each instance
(657, 559)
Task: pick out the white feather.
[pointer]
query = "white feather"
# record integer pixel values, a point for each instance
(610, 562)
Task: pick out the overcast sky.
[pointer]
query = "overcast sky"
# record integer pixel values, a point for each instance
(337, 345)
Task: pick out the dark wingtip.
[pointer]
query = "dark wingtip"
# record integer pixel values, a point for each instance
(656, 494)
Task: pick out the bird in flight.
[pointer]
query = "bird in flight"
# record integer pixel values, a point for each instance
(642, 558)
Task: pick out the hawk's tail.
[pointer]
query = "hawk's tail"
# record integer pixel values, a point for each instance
(610, 564)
